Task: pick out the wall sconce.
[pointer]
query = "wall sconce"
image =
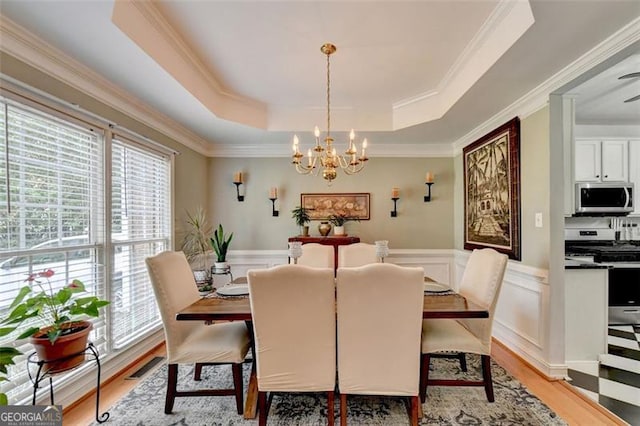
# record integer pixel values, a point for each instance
(395, 196)
(237, 181)
(273, 196)
(428, 180)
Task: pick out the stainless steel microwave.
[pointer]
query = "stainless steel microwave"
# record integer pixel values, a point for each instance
(611, 198)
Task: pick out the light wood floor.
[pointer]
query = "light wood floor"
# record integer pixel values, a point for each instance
(558, 395)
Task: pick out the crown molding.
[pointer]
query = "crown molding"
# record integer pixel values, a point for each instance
(507, 22)
(377, 150)
(538, 98)
(26, 47)
(146, 26)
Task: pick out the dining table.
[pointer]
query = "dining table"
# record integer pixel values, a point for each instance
(237, 308)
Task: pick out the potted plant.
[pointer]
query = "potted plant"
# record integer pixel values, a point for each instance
(301, 215)
(62, 313)
(7, 353)
(220, 243)
(338, 220)
(195, 244)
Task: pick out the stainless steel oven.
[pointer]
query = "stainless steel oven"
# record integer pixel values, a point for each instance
(604, 198)
(624, 294)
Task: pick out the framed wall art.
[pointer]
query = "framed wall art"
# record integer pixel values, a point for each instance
(322, 206)
(492, 191)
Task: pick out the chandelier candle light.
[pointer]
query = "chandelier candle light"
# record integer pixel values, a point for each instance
(326, 157)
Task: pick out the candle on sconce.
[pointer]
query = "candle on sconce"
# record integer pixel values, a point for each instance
(428, 178)
(309, 157)
(273, 193)
(237, 177)
(395, 193)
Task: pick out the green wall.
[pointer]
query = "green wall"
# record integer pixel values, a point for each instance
(418, 224)
(534, 190)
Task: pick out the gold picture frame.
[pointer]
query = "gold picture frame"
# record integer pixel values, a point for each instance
(321, 206)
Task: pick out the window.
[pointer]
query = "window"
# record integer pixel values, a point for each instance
(141, 227)
(53, 215)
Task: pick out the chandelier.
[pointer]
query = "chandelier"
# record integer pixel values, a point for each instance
(326, 157)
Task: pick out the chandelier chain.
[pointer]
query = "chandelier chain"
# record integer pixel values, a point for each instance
(328, 96)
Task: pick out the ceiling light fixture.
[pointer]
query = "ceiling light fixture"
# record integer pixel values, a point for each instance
(325, 157)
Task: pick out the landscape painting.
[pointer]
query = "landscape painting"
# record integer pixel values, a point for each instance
(492, 191)
(323, 206)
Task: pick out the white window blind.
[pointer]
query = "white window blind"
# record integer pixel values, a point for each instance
(140, 227)
(51, 213)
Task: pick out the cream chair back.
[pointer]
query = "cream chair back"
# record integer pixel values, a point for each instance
(175, 288)
(316, 255)
(294, 327)
(357, 254)
(481, 283)
(379, 328)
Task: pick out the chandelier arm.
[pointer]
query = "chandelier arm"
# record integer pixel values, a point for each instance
(354, 170)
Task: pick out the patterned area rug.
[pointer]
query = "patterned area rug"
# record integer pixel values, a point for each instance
(513, 405)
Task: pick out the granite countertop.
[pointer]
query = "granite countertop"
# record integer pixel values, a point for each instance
(581, 264)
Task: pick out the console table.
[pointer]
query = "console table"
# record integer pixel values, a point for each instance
(329, 241)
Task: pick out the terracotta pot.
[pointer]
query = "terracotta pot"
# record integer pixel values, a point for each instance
(63, 348)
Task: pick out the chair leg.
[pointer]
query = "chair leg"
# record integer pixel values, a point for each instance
(413, 417)
(172, 383)
(197, 372)
(343, 409)
(424, 376)
(463, 361)
(486, 376)
(262, 408)
(330, 403)
(237, 386)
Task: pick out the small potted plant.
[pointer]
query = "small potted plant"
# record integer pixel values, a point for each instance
(195, 244)
(62, 313)
(220, 243)
(301, 215)
(338, 220)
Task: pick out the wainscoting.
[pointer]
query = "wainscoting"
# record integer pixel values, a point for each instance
(523, 306)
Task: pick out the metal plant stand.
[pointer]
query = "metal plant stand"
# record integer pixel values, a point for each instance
(91, 351)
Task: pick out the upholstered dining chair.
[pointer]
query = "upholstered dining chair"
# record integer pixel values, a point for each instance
(316, 255)
(295, 332)
(193, 342)
(357, 254)
(379, 354)
(480, 284)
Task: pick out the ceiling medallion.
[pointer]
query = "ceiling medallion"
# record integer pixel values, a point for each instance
(326, 157)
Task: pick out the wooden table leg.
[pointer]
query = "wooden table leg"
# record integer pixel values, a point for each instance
(251, 404)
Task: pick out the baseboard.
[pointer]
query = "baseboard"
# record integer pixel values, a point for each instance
(593, 404)
(545, 370)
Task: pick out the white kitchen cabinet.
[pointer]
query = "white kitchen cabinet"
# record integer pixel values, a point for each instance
(634, 172)
(601, 160)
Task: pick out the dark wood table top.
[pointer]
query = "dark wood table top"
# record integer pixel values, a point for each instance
(238, 308)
